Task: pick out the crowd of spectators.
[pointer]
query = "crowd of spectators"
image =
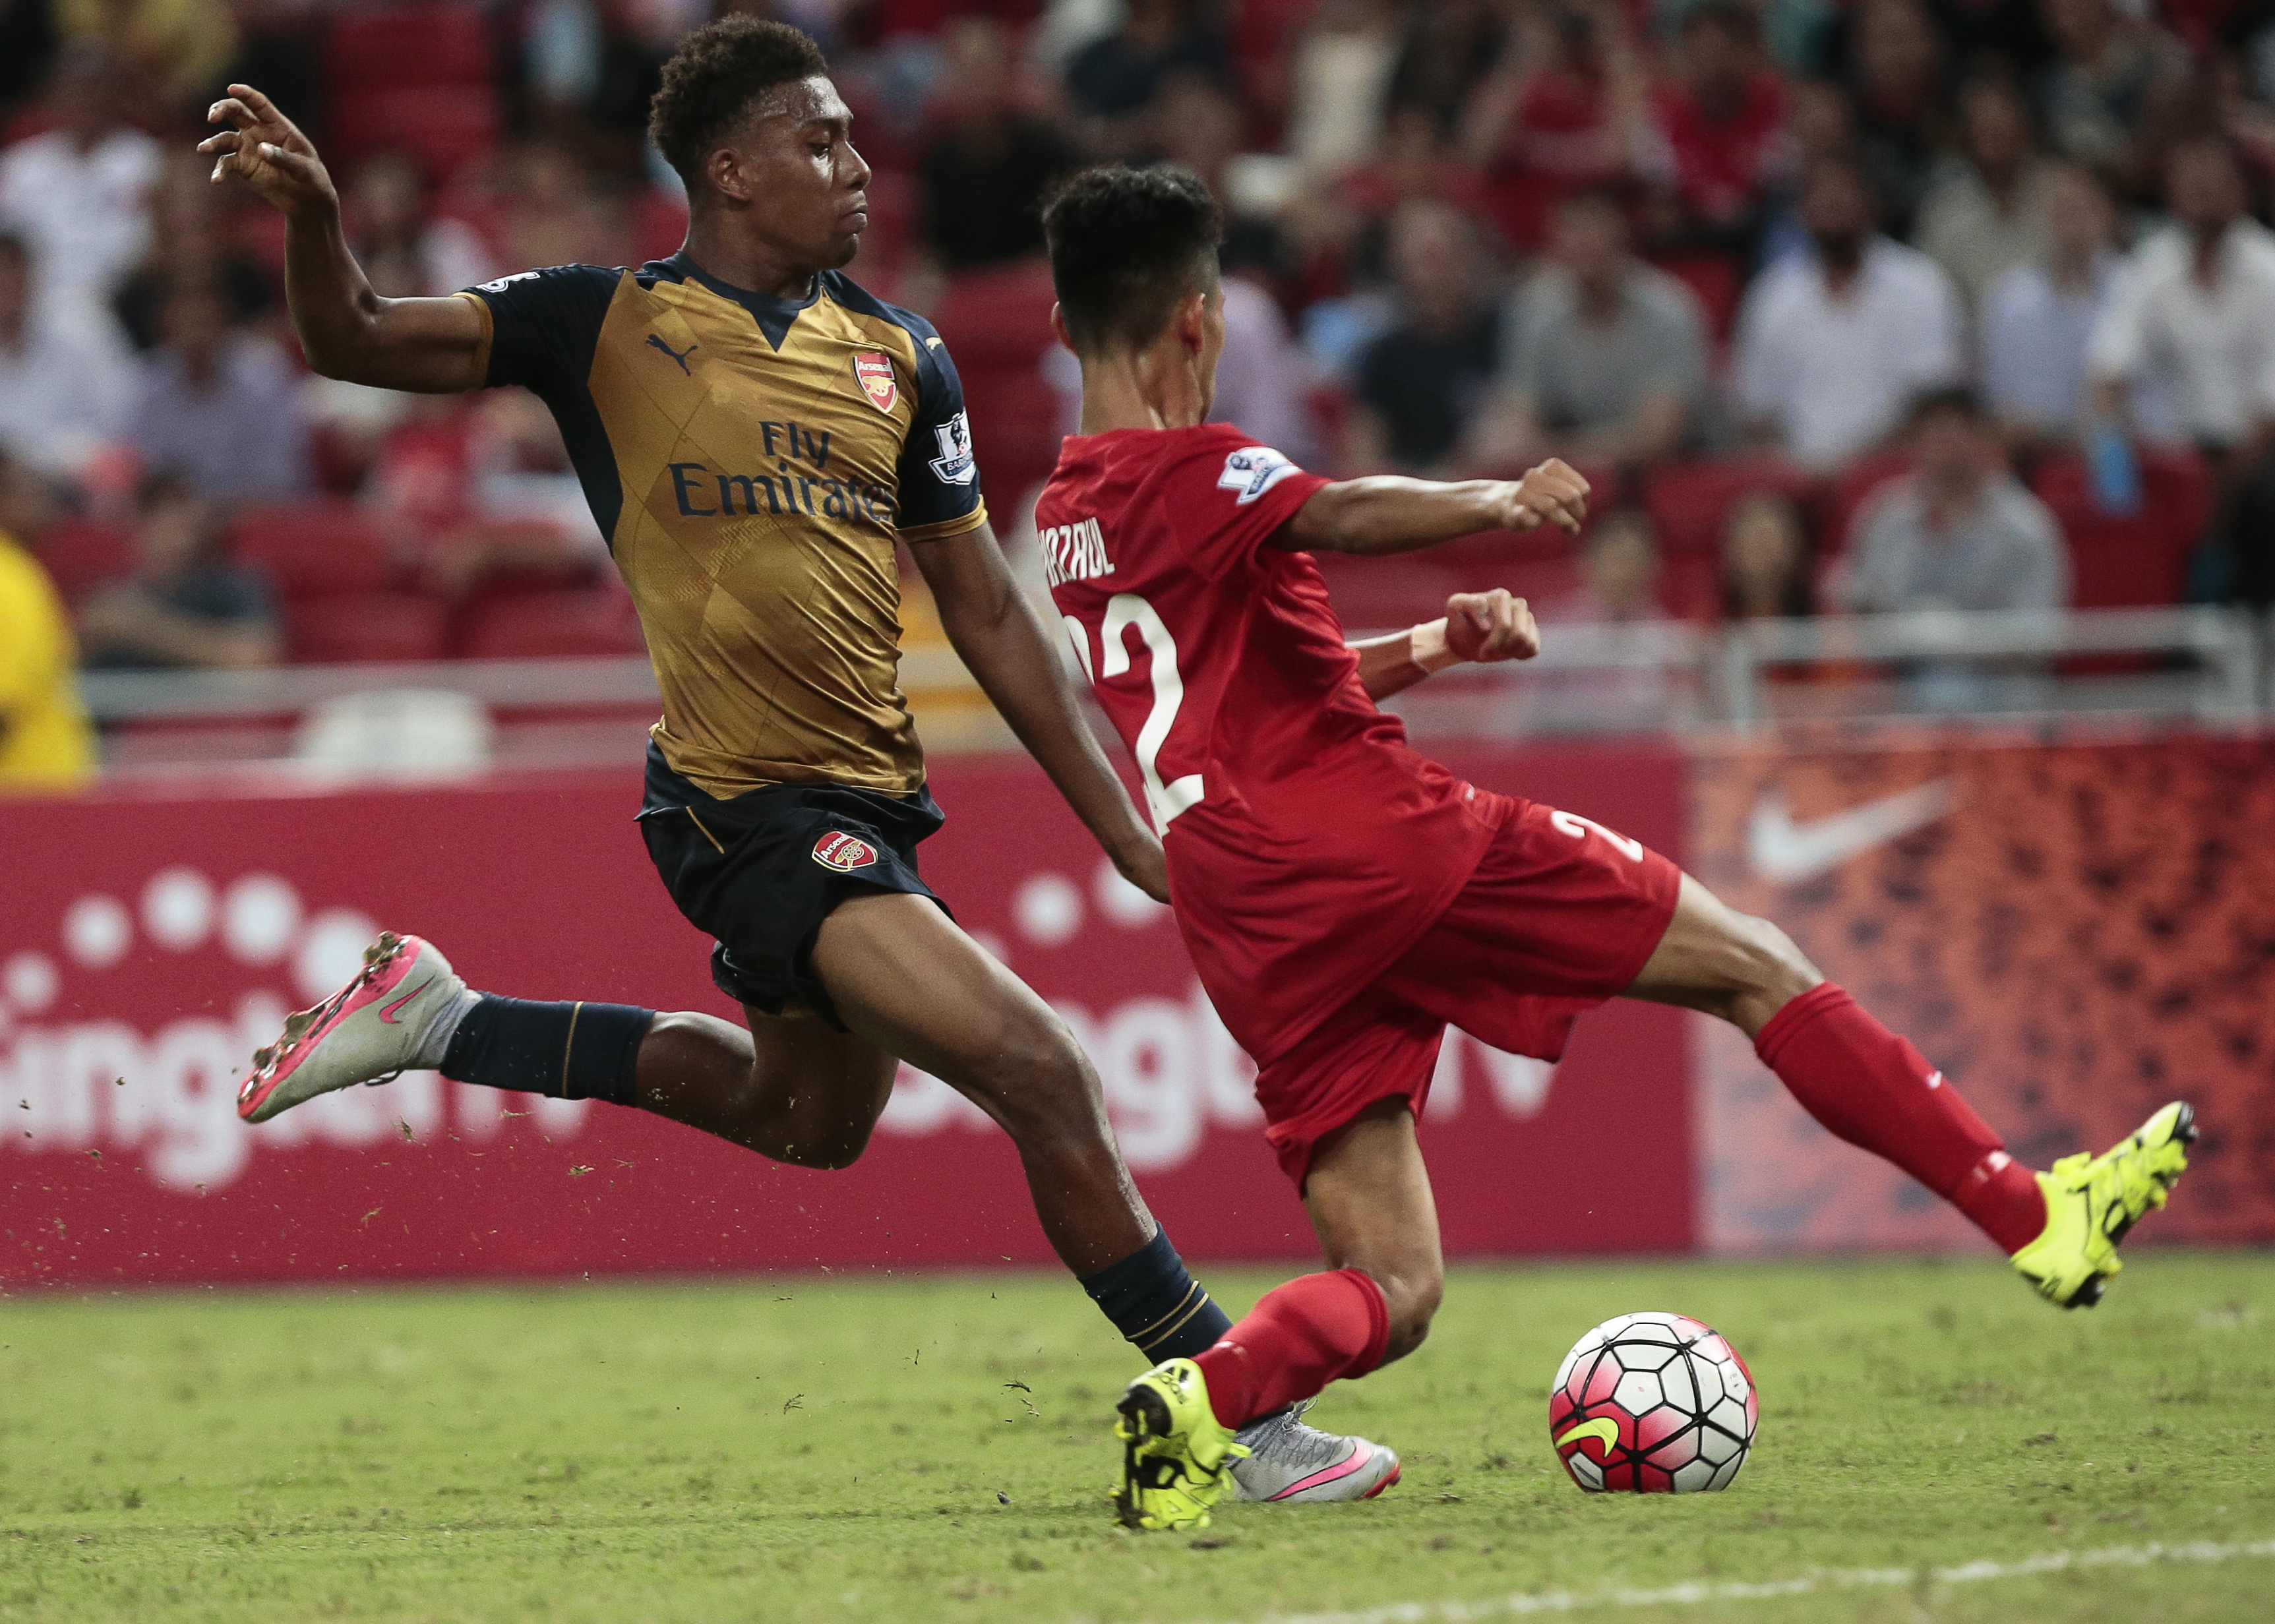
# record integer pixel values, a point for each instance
(1862, 305)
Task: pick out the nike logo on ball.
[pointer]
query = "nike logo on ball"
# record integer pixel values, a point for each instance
(1789, 852)
(1603, 1428)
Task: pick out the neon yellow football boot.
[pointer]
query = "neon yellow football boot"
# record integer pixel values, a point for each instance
(2091, 1201)
(1175, 1454)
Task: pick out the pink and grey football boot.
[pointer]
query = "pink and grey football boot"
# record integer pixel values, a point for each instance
(372, 1029)
(1290, 1463)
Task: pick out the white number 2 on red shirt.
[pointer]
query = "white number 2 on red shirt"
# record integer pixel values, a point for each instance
(1123, 611)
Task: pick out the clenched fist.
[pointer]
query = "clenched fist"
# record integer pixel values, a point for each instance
(1553, 494)
(1487, 627)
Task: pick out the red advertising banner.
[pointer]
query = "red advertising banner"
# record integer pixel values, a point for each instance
(2073, 933)
(148, 945)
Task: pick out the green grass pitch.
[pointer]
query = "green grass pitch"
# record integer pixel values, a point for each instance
(933, 1449)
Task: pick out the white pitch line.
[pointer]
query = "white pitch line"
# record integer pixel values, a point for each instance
(1525, 1604)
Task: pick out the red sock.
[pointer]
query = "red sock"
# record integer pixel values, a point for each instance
(1872, 1089)
(1302, 1336)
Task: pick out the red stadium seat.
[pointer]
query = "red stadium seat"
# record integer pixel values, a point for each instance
(1691, 586)
(1717, 280)
(1851, 488)
(1689, 501)
(552, 625)
(77, 556)
(446, 128)
(660, 224)
(314, 549)
(400, 45)
(997, 325)
(2119, 560)
(366, 626)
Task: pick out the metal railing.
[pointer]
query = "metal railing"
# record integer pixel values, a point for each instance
(2208, 665)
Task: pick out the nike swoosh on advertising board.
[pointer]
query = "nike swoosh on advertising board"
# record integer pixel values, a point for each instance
(1789, 852)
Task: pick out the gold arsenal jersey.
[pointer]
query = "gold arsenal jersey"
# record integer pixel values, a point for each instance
(751, 461)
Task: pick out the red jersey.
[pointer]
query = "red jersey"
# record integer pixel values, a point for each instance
(1308, 846)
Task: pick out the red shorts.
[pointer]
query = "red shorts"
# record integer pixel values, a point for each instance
(1560, 915)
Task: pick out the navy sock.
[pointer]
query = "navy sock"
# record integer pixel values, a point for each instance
(569, 1051)
(1153, 1299)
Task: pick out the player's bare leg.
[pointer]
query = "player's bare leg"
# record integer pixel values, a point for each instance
(791, 1087)
(1871, 1088)
(909, 982)
(1369, 1201)
(1725, 963)
(1187, 1424)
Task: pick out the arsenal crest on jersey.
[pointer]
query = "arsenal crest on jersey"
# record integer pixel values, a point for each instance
(874, 373)
(843, 852)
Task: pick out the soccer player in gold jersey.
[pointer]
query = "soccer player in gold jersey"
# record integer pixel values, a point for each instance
(754, 433)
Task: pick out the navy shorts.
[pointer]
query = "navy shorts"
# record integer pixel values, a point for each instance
(760, 872)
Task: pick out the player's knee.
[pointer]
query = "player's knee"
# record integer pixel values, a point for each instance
(1038, 1086)
(825, 1145)
(1768, 970)
(1411, 1296)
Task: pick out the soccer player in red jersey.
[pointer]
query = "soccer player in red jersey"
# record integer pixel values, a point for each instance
(1345, 899)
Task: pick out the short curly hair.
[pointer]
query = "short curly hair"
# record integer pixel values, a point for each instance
(1126, 245)
(711, 81)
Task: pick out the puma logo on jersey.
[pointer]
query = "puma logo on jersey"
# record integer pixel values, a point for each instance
(656, 339)
(1252, 471)
(1075, 552)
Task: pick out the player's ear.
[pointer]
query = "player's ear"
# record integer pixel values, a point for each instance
(729, 173)
(1059, 326)
(1193, 321)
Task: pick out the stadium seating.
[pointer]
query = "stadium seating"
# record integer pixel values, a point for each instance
(314, 549)
(416, 78)
(443, 127)
(997, 324)
(78, 555)
(595, 620)
(1689, 500)
(1718, 281)
(2122, 559)
(1845, 494)
(436, 44)
(360, 627)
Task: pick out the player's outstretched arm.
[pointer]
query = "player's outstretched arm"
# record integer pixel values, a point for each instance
(348, 331)
(1387, 513)
(1479, 628)
(997, 634)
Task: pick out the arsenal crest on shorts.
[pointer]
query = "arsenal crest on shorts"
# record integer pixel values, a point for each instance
(843, 852)
(874, 373)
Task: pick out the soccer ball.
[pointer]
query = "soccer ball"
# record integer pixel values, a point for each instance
(1653, 1404)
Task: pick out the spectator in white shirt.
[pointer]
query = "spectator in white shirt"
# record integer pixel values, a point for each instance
(60, 399)
(2199, 299)
(1833, 343)
(2039, 316)
(78, 195)
(1957, 533)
